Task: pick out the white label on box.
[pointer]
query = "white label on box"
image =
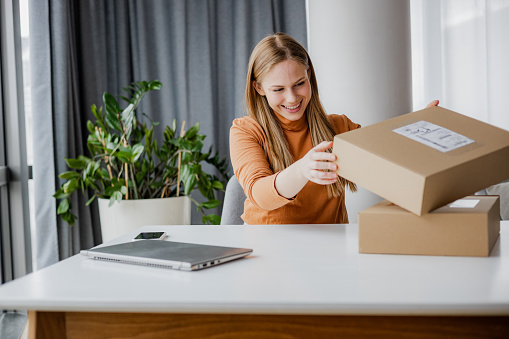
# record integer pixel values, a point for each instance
(432, 135)
(464, 203)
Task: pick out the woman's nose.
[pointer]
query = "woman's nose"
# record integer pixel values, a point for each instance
(291, 97)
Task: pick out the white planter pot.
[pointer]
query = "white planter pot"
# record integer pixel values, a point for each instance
(128, 215)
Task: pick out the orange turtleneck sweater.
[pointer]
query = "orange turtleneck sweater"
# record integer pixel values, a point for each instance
(264, 205)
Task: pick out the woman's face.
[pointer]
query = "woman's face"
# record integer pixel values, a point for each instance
(287, 89)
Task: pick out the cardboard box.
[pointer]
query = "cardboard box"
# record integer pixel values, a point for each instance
(462, 230)
(455, 156)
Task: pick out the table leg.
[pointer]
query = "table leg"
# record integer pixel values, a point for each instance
(46, 324)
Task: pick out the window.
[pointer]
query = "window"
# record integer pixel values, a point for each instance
(15, 242)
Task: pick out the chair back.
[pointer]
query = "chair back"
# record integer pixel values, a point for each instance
(233, 205)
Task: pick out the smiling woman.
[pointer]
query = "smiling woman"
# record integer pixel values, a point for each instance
(281, 152)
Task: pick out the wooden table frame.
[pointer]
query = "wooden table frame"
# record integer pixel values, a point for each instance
(92, 325)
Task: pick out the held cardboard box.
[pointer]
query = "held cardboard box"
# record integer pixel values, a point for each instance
(425, 159)
(466, 227)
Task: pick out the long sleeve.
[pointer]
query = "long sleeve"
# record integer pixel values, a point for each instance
(251, 166)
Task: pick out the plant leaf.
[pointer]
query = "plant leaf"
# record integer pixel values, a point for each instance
(64, 206)
(211, 218)
(69, 218)
(69, 175)
(90, 127)
(218, 185)
(128, 120)
(90, 200)
(137, 151)
(112, 122)
(60, 194)
(192, 131)
(155, 85)
(111, 104)
(76, 163)
(211, 204)
(71, 186)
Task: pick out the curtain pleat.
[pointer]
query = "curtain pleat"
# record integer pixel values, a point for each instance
(79, 49)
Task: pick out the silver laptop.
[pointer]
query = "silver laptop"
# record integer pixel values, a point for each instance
(167, 254)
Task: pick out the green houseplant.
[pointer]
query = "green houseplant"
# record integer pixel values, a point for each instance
(126, 161)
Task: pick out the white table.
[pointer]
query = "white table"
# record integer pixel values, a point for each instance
(299, 278)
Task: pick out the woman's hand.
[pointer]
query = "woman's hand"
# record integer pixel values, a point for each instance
(291, 180)
(433, 103)
(313, 164)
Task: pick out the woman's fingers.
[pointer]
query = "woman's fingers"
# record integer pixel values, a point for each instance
(318, 165)
(323, 160)
(323, 156)
(323, 163)
(324, 145)
(433, 103)
(327, 177)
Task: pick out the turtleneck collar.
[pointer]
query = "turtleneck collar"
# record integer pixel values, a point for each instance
(290, 125)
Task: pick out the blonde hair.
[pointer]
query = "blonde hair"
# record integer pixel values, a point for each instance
(267, 53)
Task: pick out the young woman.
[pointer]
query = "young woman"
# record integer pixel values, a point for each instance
(281, 152)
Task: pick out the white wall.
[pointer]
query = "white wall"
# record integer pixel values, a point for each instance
(362, 56)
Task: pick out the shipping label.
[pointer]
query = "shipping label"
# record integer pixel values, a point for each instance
(464, 203)
(434, 136)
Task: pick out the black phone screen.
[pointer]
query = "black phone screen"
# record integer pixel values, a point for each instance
(149, 235)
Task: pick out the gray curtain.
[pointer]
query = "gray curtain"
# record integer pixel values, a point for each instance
(79, 49)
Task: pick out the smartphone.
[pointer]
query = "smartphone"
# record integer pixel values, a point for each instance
(150, 236)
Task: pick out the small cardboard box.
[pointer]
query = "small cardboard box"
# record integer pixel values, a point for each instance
(466, 227)
(425, 159)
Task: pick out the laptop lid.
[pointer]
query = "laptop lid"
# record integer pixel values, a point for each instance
(167, 254)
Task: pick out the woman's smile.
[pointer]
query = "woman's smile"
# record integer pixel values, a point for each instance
(292, 109)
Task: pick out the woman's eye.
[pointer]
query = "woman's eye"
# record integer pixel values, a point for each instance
(300, 83)
(278, 90)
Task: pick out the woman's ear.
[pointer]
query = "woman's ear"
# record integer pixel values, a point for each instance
(258, 88)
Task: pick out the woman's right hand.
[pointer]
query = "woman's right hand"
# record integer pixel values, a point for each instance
(311, 167)
(314, 164)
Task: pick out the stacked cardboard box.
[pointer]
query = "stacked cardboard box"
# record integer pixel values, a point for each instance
(423, 161)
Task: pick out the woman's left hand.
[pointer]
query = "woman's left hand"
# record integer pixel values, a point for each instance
(433, 103)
